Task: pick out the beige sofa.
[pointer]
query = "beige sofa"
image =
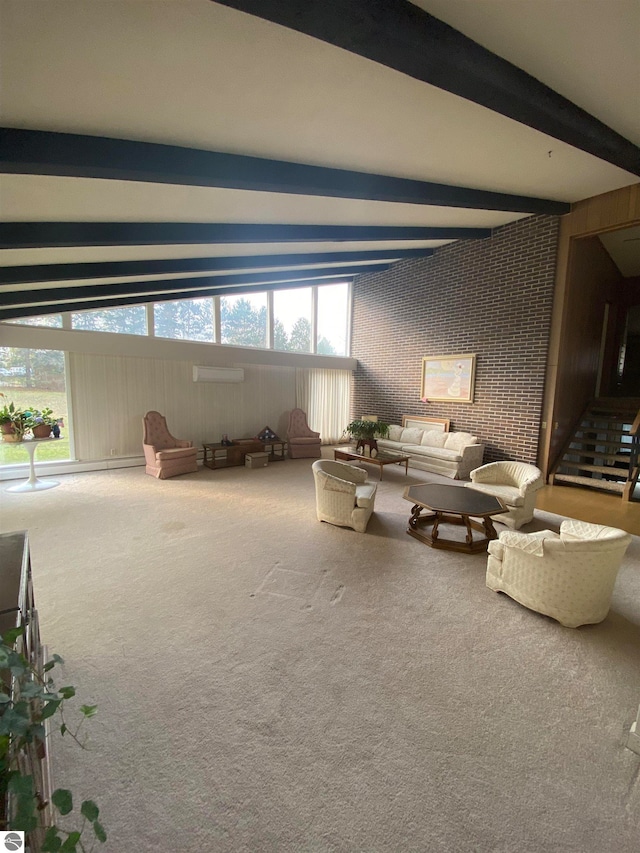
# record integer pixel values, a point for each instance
(431, 447)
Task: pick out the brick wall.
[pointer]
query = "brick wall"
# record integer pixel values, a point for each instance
(490, 297)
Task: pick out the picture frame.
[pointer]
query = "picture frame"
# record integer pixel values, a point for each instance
(448, 378)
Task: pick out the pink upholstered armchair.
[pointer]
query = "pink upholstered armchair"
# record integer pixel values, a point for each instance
(303, 441)
(165, 455)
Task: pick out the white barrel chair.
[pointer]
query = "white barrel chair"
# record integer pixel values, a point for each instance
(343, 497)
(569, 577)
(515, 484)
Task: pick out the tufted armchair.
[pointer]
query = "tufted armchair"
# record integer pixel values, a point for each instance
(343, 496)
(569, 577)
(165, 455)
(303, 441)
(515, 483)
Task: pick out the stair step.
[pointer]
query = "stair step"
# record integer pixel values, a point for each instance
(614, 433)
(589, 482)
(605, 448)
(597, 469)
(592, 454)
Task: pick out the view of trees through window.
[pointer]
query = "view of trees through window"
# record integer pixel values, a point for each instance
(131, 320)
(187, 319)
(243, 320)
(34, 379)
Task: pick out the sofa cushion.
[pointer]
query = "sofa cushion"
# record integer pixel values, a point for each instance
(395, 432)
(458, 440)
(418, 450)
(433, 438)
(411, 436)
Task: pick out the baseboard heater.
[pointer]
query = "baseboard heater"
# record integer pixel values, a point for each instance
(207, 373)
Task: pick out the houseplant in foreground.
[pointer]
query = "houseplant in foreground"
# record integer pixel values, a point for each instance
(27, 701)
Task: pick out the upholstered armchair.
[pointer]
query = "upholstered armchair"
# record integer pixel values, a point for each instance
(569, 577)
(343, 496)
(515, 483)
(165, 455)
(303, 441)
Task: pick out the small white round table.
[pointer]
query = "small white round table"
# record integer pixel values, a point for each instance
(33, 484)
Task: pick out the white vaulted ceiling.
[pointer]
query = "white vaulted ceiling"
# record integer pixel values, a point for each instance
(202, 75)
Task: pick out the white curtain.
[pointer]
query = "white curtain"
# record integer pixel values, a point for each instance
(325, 396)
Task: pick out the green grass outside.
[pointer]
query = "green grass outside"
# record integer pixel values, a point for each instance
(38, 398)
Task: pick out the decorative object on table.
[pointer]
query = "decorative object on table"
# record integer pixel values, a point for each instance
(40, 423)
(515, 483)
(166, 456)
(267, 434)
(12, 421)
(226, 441)
(303, 441)
(364, 431)
(569, 577)
(343, 495)
(449, 378)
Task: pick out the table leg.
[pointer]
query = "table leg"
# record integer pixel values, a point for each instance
(467, 523)
(489, 529)
(33, 484)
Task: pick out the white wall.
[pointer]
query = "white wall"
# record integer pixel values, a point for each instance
(111, 394)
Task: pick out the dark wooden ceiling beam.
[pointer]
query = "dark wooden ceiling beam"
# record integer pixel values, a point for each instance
(15, 313)
(42, 152)
(400, 35)
(204, 285)
(28, 274)
(37, 235)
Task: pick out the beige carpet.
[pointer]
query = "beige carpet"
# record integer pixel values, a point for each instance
(269, 683)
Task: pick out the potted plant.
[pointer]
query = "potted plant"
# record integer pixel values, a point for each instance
(12, 421)
(41, 423)
(365, 433)
(31, 704)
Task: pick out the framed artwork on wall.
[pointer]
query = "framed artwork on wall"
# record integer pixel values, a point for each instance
(449, 378)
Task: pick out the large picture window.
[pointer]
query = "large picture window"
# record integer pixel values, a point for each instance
(292, 320)
(35, 379)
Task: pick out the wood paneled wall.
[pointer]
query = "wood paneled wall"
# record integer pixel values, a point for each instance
(112, 393)
(584, 277)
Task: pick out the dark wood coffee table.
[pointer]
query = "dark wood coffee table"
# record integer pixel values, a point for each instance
(350, 454)
(452, 505)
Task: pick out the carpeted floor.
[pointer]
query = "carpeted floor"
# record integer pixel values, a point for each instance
(269, 683)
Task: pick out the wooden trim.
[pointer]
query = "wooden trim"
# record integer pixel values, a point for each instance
(402, 36)
(31, 273)
(35, 235)
(43, 152)
(442, 422)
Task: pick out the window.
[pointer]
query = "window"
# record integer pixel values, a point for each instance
(53, 321)
(35, 379)
(333, 313)
(131, 320)
(292, 320)
(243, 320)
(184, 319)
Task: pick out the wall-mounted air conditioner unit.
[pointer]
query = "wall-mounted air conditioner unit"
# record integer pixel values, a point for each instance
(208, 373)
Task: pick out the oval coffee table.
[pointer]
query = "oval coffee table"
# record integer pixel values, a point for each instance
(452, 505)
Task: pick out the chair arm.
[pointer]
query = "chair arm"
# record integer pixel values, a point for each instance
(335, 484)
(484, 474)
(183, 442)
(529, 543)
(150, 453)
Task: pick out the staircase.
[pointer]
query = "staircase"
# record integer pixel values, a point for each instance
(603, 451)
